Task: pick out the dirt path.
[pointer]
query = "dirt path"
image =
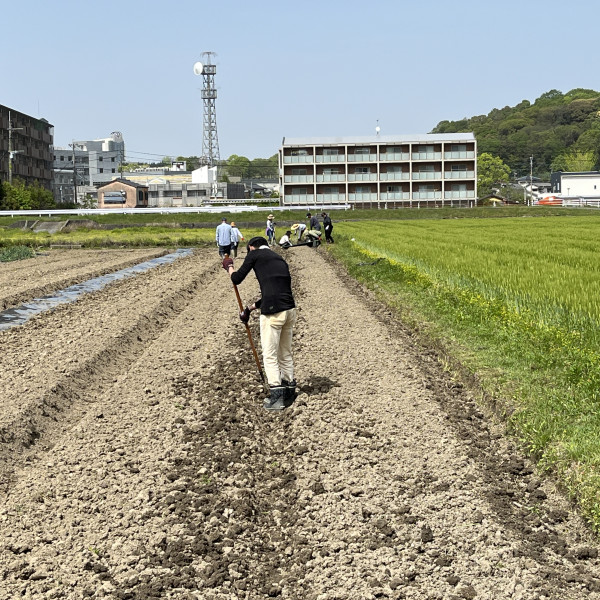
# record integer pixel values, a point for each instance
(139, 463)
(57, 269)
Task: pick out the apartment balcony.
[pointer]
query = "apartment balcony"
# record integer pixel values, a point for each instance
(388, 196)
(394, 176)
(466, 154)
(459, 174)
(427, 175)
(452, 195)
(426, 156)
(298, 179)
(303, 158)
(427, 195)
(299, 198)
(362, 197)
(362, 157)
(362, 177)
(330, 158)
(323, 198)
(388, 156)
(331, 177)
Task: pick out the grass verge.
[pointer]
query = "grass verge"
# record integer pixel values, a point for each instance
(546, 379)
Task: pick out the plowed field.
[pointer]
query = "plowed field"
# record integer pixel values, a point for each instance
(137, 460)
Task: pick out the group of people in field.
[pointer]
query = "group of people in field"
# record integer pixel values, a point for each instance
(276, 304)
(228, 236)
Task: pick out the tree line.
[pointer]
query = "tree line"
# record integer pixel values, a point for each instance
(561, 132)
(18, 196)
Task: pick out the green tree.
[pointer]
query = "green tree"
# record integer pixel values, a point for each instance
(16, 196)
(238, 166)
(575, 161)
(41, 198)
(89, 202)
(491, 173)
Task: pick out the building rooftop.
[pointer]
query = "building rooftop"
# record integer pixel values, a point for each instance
(381, 139)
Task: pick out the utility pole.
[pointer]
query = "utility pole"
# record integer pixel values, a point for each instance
(74, 176)
(531, 179)
(11, 152)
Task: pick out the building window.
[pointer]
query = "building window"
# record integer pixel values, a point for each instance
(362, 151)
(458, 148)
(112, 159)
(69, 158)
(301, 191)
(113, 170)
(62, 158)
(101, 170)
(392, 189)
(426, 169)
(332, 189)
(363, 189)
(362, 170)
(299, 152)
(331, 151)
(298, 171)
(331, 171)
(459, 167)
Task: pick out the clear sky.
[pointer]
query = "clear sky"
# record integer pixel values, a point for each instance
(284, 68)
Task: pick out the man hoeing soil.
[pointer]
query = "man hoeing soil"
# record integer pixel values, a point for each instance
(277, 318)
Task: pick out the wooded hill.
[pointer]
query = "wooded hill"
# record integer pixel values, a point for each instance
(553, 129)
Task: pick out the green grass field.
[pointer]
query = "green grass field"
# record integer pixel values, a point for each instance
(514, 300)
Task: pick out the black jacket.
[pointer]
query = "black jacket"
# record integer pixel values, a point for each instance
(274, 279)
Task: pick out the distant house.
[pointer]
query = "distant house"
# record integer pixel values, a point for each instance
(584, 184)
(122, 193)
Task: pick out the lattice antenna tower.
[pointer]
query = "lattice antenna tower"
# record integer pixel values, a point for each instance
(210, 140)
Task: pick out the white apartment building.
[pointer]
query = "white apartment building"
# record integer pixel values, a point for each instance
(383, 171)
(86, 164)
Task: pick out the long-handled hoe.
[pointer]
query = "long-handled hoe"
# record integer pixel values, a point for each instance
(260, 371)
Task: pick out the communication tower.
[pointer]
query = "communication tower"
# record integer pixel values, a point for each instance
(210, 141)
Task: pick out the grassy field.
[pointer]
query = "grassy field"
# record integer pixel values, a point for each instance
(515, 301)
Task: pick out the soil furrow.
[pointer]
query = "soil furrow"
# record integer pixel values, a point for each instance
(386, 479)
(43, 275)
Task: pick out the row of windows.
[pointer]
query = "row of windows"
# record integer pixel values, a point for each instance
(389, 149)
(390, 169)
(367, 189)
(70, 158)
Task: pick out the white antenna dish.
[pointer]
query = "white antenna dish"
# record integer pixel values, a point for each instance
(198, 68)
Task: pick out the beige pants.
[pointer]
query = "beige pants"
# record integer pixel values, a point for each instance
(276, 340)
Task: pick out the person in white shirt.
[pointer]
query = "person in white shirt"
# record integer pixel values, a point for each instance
(299, 229)
(285, 242)
(236, 237)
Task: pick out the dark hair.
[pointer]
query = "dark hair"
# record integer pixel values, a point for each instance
(308, 214)
(257, 242)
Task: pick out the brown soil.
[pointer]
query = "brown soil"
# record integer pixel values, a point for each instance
(57, 269)
(138, 462)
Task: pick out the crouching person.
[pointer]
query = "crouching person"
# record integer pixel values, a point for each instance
(277, 318)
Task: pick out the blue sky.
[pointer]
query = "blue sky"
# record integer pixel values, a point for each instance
(293, 69)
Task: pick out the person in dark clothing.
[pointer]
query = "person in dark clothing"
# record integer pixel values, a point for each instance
(277, 318)
(314, 222)
(328, 225)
